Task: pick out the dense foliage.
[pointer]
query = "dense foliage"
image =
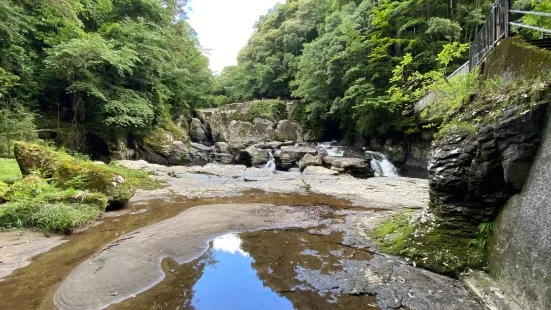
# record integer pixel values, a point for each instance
(356, 62)
(101, 67)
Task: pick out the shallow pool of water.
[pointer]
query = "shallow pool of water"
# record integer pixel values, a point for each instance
(229, 281)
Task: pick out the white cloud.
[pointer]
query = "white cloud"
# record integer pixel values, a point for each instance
(224, 26)
(229, 243)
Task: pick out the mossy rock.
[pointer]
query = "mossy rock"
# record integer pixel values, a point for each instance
(3, 190)
(95, 178)
(159, 141)
(67, 172)
(40, 159)
(27, 188)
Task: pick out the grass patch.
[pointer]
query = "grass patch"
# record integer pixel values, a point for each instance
(460, 128)
(9, 171)
(32, 202)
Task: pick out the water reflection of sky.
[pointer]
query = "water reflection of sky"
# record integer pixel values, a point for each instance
(232, 283)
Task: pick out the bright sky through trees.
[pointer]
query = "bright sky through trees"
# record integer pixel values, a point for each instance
(224, 26)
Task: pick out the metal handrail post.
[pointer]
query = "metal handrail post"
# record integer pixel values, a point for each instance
(508, 19)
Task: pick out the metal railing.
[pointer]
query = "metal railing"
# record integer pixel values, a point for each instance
(496, 27)
(492, 31)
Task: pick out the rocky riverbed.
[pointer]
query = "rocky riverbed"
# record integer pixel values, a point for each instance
(305, 235)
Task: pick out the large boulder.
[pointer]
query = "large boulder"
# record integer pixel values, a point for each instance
(310, 160)
(253, 156)
(197, 131)
(68, 172)
(159, 142)
(288, 130)
(222, 147)
(243, 134)
(357, 167)
(291, 155)
(223, 158)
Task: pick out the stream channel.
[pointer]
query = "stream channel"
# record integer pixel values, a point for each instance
(238, 238)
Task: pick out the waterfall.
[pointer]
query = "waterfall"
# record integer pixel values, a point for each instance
(271, 163)
(382, 166)
(331, 149)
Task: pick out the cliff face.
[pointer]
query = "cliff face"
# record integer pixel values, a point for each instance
(473, 173)
(520, 256)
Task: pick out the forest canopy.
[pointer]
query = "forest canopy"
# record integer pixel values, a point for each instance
(105, 68)
(339, 58)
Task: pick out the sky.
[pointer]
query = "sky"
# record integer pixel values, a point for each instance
(225, 26)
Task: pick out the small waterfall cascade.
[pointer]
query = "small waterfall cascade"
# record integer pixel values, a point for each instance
(331, 149)
(271, 163)
(382, 166)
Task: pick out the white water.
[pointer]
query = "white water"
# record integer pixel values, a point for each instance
(271, 163)
(379, 162)
(382, 166)
(331, 149)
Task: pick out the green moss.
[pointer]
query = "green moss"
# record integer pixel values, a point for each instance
(393, 233)
(3, 190)
(177, 132)
(159, 141)
(40, 159)
(272, 110)
(138, 178)
(66, 172)
(95, 178)
(459, 128)
(517, 59)
(438, 247)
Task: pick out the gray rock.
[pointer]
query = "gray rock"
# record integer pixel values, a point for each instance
(290, 155)
(222, 147)
(310, 160)
(253, 156)
(270, 145)
(476, 174)
(223, 158)
(197, 131)
(288, 130)
(318, 170)
(357, 167)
